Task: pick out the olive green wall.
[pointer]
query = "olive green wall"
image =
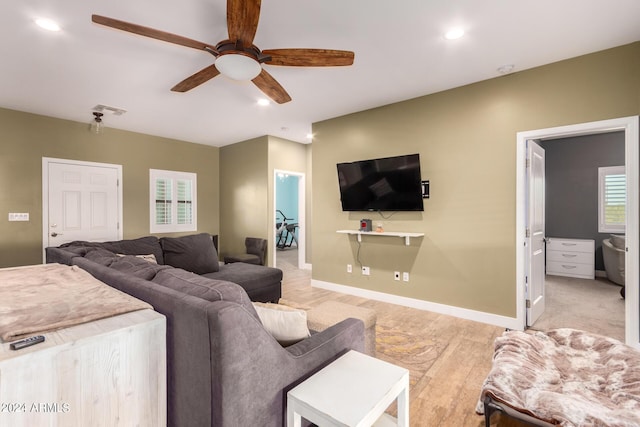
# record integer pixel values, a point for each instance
(246, 176)
(243, 194)
(466, 138)
(26, 138)
(289, 156)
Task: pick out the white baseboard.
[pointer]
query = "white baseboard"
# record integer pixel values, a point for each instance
(463, 313)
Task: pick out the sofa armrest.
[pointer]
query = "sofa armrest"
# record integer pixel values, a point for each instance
(253, 373)
(58, 255)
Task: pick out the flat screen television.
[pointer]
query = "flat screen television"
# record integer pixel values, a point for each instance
(386, 184)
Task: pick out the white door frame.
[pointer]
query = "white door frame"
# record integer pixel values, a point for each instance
(301, 215)
(45, 194)
(630, 127)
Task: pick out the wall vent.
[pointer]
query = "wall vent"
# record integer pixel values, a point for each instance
(105, 109)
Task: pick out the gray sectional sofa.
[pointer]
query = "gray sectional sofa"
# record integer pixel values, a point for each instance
(223, 368)
(196, 253)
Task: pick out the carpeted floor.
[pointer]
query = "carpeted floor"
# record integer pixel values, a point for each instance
(590, 305)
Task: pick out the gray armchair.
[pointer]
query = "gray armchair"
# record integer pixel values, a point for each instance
(256, 252)
(613, 252)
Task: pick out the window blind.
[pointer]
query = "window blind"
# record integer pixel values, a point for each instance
(184, 200)
(615, 196)
(163, 201)
(612, 199)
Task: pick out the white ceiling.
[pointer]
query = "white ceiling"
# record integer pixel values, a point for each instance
(400, 53)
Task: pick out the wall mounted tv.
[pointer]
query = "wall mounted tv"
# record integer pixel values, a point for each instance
(386, 184)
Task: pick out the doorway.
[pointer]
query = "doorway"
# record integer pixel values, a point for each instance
(80, 201)
(629, 125)
(289, 230)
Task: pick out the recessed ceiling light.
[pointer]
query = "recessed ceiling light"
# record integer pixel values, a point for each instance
(47, 24)
(263, 102)
(454, 33)
(309, 136)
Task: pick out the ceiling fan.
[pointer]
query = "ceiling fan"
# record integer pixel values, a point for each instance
(237, 57)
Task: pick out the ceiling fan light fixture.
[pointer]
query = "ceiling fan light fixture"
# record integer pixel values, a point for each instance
(238, 67)
(96, 125)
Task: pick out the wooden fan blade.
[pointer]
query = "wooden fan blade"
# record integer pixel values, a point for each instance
(197, 79)
(309, 57)
(242, 20)
(150, 32)
(267, 84)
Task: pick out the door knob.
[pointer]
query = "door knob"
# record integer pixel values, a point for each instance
(54, 234)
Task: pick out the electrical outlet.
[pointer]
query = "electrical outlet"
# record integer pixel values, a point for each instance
(396, 275)
(405, 276)
(365, 271)
(349, 268)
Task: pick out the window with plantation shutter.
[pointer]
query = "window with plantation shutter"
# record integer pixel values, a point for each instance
(173, 201)
(163, 201)
(612, 197)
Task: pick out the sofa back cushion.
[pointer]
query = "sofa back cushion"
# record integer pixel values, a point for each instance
(195, 253)
(142, 246)
(100, 255)
(204, 288)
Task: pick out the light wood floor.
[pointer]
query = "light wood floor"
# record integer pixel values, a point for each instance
(447, 393)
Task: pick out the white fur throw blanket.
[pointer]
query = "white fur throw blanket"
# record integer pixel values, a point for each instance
(566, 377)
(41, 298)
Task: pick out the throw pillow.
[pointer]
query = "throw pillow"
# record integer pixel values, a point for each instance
(618, 241)
(149, 258)
(287, 325)
(137, 266)
(194, 253)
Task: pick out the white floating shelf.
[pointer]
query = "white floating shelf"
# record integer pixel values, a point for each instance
(407, 236)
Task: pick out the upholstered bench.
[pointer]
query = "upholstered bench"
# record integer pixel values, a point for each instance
(331, 312)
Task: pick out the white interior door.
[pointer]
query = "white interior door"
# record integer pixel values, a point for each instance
(82, 202)
(535, 292)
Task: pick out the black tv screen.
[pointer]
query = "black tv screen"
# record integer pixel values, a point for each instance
(387, 184)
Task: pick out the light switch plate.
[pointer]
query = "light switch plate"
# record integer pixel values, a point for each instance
(14, 216)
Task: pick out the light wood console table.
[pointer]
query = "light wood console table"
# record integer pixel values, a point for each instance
(109, 372)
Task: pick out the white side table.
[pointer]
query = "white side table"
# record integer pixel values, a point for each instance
(353, 391)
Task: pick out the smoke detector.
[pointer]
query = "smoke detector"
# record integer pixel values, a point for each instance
(506, 69)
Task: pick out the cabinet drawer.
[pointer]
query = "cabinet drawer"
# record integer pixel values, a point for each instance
(571, 257)
(570, 269)
(570, 245)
